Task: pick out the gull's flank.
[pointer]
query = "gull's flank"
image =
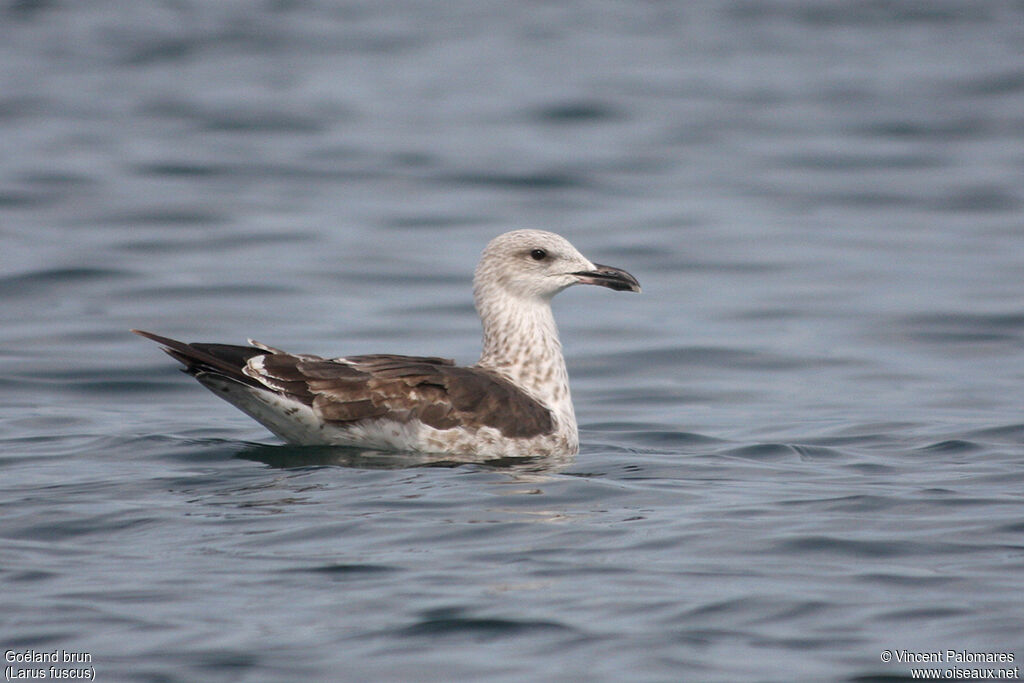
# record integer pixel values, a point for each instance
(513, 402)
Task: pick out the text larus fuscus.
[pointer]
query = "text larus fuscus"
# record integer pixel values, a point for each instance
(514, 402)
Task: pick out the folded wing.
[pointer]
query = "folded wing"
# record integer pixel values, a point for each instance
(356, 389)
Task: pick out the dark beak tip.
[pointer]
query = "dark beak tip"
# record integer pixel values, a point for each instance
(611, 277)
(623, 286)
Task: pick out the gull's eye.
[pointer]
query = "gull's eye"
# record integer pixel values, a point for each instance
(538, 254)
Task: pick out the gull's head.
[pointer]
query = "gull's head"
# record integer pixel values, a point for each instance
(534, 264)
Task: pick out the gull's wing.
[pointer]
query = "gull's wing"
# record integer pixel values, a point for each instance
(354, 389)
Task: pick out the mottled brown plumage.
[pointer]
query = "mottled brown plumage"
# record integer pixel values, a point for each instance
(514, 402)
(399, 388)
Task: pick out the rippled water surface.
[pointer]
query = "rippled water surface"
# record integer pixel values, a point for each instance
(803, 444)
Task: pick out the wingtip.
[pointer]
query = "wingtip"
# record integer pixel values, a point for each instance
(166, 342)
(149, 335)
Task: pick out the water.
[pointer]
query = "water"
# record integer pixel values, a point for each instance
(802, 444)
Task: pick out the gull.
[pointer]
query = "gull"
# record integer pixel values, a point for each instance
(514, 402)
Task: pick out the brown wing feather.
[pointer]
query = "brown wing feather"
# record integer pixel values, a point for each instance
(431, 390)
(221, 359)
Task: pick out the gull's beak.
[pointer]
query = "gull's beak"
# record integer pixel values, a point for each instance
(607, 276)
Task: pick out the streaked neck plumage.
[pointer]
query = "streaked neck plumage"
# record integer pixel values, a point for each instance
(520, 342)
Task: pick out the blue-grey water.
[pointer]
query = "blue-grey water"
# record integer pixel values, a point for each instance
(802, 445)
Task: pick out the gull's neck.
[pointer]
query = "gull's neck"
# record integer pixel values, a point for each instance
(521, 343)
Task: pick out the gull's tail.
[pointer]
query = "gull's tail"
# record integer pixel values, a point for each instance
(224, 360)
